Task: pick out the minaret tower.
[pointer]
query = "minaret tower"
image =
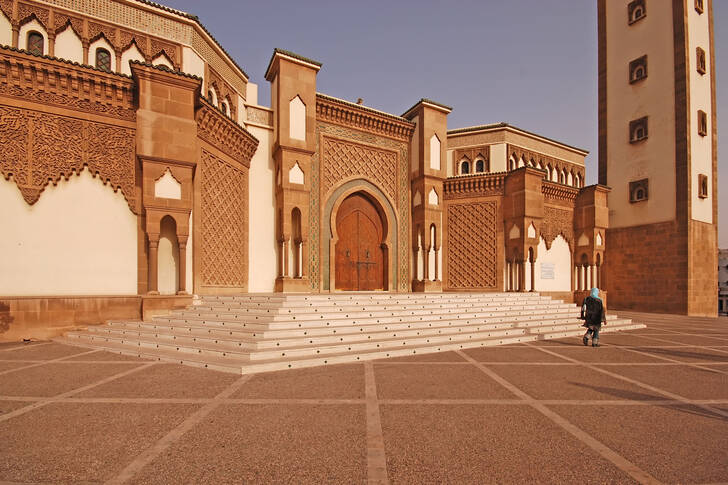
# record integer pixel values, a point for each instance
(658, 153)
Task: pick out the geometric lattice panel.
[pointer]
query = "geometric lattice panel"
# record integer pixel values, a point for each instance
(224, 216)
(472, 245)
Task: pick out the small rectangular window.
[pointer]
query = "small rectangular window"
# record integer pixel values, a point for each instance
(699, 6)
(700, 61)
(638, 130)
(638, 69)
(636, 10)
(638, 190)
(702, 123)
(703, 186)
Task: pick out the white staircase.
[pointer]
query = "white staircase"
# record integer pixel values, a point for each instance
(256, 332)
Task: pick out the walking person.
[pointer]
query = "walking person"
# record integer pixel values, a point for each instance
(593, 314)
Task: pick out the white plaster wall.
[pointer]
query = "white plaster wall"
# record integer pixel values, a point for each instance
(432, 198)
(167, 187)
(131, 54)
(435, 153)
(68, 46)
(297, 125)
(653, 158)
(103, 44)
(560, 256)
(30, 26)
(251, 95)
(168, 258)
(262, 233)
(162, 60)
(6, 30)
(193, 63)
(449, 169)
(701, 149)
(498, 157)
(80, 238)
(295, 175)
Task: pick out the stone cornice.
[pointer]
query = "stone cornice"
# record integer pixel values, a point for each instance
(474, 185)
(51, 81)
(557, 191)
(342, 112)
(223, 133)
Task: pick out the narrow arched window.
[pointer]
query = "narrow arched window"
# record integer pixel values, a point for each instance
(465, 167)
(103, 59)
(479, 166)
(35, 43)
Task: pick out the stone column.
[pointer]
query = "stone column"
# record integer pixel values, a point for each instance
(533, 275)
(51, 44)
(521, 276)
(153, 264)
(16, 36)
(182, 241)
(85, 44)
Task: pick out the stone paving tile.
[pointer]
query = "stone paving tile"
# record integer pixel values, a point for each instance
(107, 356)
(431, 357)
(610, 354)
(510, 354)
(7, 406)
(344, 381)
(685, 381)
(12, 345)
(630, 340)
(52, 379)
(436, 382)
(165, 381)
(486, 444)
(690, 354)
(675, 444)
(42, 352)
(11, 365)
(64, 442)
(571, 382)
(268, 444)
(691, 340)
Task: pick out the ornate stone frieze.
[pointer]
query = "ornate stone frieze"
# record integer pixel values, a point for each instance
(126, 38)
(7, 7)
(260, 116)
(41, 148)
(560, 192)
(360, 117)
(531, 158)
(556, 222)
(224, 215)
(474, 186)
(157, 46)
(26, 10)
(223, 133)
(95, 30)
(472, 245)
(60, 21)
(59, 83)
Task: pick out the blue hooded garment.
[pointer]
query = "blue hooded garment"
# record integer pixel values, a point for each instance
(595, 293)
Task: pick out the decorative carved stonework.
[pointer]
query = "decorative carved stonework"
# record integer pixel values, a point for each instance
(25, 11)
(57, 83)
(61, 20)
(225, 134)
(39, 148)
(344, 159)
(472, 245)
(224, 215)
(126, 38)
(95, 30)
(157, 46)
(474, 186)
(557, 222)
(529, 156)
(558, 192)
(7, 7)
(360, 117)
(260, 116)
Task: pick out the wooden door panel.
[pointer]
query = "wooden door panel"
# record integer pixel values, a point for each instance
(359, 257)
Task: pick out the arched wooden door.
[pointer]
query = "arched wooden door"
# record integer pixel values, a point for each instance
(359, 254)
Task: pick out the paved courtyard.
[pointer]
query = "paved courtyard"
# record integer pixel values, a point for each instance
(648, 406)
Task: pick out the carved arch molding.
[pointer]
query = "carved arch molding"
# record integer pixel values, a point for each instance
(41, 148)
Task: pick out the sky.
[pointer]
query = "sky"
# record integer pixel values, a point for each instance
(529, 63)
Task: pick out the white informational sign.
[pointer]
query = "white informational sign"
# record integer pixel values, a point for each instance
(547, 271)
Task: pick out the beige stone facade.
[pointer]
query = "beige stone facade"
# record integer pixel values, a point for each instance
(141, 171)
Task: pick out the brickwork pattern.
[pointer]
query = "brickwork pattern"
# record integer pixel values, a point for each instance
(41, 148)
(472, 245)
(224, 214)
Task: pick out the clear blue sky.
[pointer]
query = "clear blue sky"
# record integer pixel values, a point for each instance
(531, 63)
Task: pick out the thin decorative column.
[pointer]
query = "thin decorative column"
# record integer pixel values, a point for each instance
(533, 275)
(16, 36)
(85, 44)
(153, 262)
(522, 276)
(51, 44)
(182, 241)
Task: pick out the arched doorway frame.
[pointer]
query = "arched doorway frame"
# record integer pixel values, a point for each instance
(389, 217)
